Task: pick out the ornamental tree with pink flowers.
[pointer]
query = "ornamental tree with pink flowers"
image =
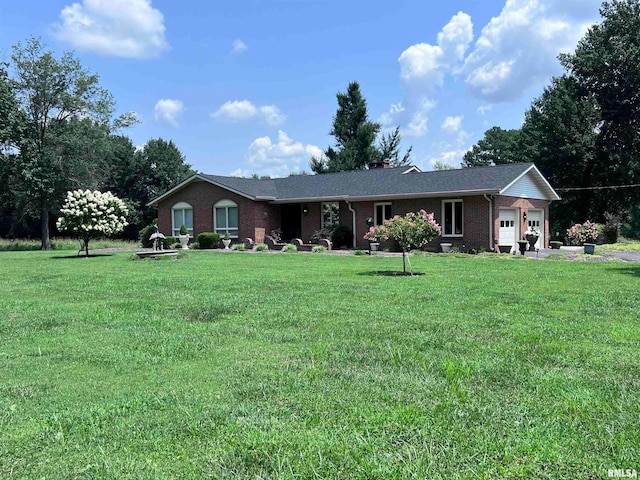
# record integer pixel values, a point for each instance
(87, 215)
(413, 230)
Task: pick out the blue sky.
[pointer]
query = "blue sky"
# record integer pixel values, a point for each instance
(248, 86)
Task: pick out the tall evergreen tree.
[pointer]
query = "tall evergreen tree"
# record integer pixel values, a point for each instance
(355, 135)
(390, 149)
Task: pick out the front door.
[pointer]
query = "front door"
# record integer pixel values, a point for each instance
(507, 231)
(535, 219)
(291, 224)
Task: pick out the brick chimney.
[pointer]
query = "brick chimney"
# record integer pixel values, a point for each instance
(380, 164)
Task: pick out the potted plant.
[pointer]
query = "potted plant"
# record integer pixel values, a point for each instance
(555, 245)
(184, 236)
(226, 241)
(522, 246)
(373, 235)
(532, 234)
(585, 234)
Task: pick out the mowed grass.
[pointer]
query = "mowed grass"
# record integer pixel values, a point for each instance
(244, 365)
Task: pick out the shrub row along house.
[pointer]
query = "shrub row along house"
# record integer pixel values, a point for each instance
(477, 207)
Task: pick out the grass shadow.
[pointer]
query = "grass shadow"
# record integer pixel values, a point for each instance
(387, 273)
(626, 269)
(91, 255)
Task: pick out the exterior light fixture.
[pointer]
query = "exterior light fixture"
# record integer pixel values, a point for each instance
(305, 209)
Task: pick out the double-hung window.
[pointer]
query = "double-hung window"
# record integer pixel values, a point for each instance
(225, 218)
(330, 215)
(381, 212)
(181, 214)
(452, 218)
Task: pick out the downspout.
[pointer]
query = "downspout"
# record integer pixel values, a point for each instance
(354, 221)
(490, 200)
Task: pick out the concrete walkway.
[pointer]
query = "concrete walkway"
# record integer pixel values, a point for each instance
(601, 255)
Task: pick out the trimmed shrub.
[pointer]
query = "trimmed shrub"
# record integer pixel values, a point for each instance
(318, 249)
(209, 240)
(145, 233)
(289, 248)
(168, 241)
(261, 247)
(611, 228)
(555, 245)
(342, 236)
(631, 229)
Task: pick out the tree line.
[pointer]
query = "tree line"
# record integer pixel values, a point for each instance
(59, 132)
(583, 132)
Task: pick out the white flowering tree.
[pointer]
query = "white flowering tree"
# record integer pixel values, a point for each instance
(87, 215)
(411, 231)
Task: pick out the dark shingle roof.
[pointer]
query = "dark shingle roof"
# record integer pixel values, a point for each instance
(376, 182)
(363, 184)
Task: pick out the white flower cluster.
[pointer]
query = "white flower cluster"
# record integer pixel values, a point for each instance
(92, 214)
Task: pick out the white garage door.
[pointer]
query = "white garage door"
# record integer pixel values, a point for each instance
(536, 220)
(507, 231)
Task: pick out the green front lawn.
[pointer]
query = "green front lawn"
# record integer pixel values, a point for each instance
(304, 366)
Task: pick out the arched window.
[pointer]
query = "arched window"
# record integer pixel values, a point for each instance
(225, 218)
(181, 214)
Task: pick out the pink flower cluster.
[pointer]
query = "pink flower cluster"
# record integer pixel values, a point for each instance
(412, 230)
(586, 232)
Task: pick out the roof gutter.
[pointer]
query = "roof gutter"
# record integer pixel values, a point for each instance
(354, 221)
(385, 196)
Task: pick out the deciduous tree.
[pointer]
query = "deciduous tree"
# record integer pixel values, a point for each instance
(499, 146)
(87, 215)
(59, 99)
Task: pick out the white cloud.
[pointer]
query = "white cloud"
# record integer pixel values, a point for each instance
(452, 124)
(243, 110)
(518, 49)
(121, 28)
(423, 67)
(388, 119)
(418, 123)
(426, 65)
(280, 158)
(482, 109)
(238, 46)
(271, 115)
(168, 110)
(235, 111)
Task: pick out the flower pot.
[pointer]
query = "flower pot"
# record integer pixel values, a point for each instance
(532, 239)
(589, 248)
(184, 240)
(374, 246)
(226, 243)
(522, 246)
(555, 245)
(505, 248)
(446, 247)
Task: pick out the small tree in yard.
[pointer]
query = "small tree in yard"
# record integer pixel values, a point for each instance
(411, 231)
(87, 215)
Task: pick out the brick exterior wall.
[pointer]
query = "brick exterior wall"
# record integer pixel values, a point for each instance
(521, 205)
(259, 218)
(254, 218)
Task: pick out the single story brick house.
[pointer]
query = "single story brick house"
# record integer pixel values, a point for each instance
(476, 207)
